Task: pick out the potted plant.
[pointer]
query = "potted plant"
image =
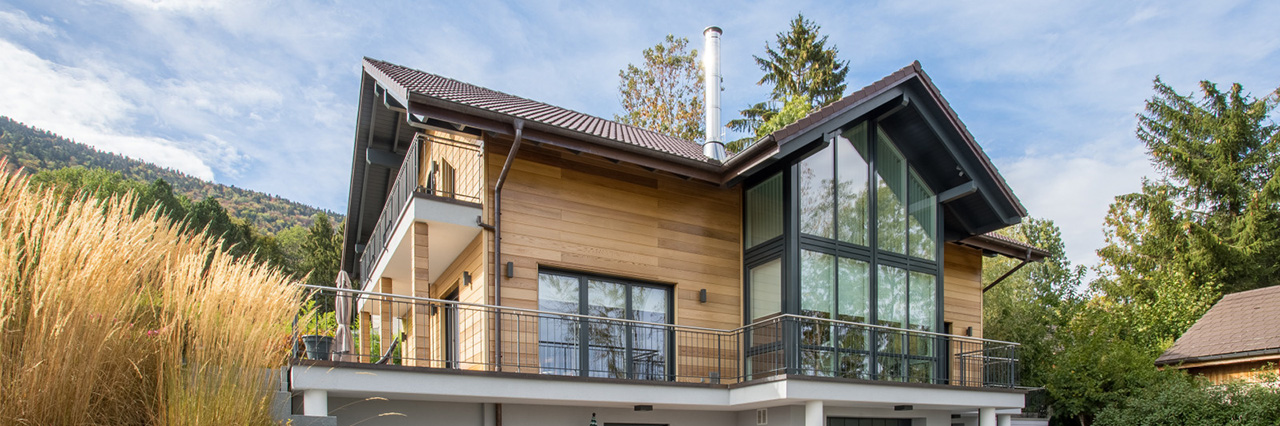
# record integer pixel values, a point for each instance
(317, 333)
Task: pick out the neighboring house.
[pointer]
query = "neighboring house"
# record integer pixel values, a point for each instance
(830, 274)
(1237, 339)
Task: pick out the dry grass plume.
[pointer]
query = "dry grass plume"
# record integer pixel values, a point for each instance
(110, 319)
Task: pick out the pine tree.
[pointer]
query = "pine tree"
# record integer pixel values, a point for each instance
(803, 65)
(664, 94)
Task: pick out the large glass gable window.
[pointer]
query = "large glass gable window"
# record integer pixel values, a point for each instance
(865, 241)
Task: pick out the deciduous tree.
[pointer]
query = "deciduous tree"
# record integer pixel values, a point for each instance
(664, 93)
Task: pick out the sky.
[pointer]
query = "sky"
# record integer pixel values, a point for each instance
(262, 94)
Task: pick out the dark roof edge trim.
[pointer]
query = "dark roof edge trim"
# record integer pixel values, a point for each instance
(1008, 248)
(1216, 357)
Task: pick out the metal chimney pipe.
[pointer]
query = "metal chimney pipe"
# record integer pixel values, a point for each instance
(713, 147)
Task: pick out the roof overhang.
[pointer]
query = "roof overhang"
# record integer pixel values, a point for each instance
(975, 198)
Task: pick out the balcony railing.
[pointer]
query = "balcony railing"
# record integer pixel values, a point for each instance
(452, 170)
(448, 334)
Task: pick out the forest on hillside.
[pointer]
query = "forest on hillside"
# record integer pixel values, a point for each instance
(38, 150)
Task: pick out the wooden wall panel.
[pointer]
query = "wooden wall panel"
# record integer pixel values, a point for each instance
(1244, 371)
(962, 288)
(586, 214)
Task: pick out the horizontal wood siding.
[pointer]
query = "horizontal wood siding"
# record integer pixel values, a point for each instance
(1244, 371)
(587, 214)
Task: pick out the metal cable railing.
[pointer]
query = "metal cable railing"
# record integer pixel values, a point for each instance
(458, 335)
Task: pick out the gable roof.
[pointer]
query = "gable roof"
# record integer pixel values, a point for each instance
(914, 71)
(1240, 325)
(469, 95)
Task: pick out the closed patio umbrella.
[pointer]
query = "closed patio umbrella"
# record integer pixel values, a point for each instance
(342, 304)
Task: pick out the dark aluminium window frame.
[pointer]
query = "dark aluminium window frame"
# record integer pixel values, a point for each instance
(789, 245)
(584, 343)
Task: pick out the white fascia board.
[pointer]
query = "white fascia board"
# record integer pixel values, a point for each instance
(463, 387)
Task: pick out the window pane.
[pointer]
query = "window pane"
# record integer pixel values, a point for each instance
(649, 342)
(853, 201)
(607, 340)
(764, 211)
(766, 289)
(855, 290)
(923, 313)
(922, 220)
(817, 298)
(854, 294)
(891, 306)
(817, 197)
(891, 192)
(558, 336)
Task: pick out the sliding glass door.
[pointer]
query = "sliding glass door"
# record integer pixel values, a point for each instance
(615, 349)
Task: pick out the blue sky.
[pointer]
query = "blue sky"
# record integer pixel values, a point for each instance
(262, 94)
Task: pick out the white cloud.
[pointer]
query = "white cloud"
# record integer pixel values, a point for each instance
(84, 106)
(18, 23)
(1076, 188)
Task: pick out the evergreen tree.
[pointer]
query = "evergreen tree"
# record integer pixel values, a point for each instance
(802, 67)
(664, 94)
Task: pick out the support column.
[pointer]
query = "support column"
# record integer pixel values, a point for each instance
(1004, 420)
(420, 333)
(315, 402)
(813, 415)
(366, 338)
(986, 417)
(384, 336)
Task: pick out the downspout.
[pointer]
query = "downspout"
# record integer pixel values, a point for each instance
(1025, 261)
(497, 236)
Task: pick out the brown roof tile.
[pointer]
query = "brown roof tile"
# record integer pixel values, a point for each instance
(447, 89)
(1240, 323)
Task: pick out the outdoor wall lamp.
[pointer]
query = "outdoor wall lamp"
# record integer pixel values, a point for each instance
(702, 296)
(511, 269)
(466, 278)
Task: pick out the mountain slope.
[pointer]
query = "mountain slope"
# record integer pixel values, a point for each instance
(36, 149)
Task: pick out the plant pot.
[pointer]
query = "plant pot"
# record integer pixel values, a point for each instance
(318, 347)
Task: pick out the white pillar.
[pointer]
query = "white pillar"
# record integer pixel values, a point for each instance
(813, 414)
(986, 417)
(315, 402)
(1004, 420)
(488, 412)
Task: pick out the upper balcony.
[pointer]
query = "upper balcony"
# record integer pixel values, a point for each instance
(461, 340)
(439, 183)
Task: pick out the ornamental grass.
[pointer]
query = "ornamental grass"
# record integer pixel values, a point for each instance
(111, 318)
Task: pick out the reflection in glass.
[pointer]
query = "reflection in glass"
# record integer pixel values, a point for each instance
(852, 201)
(854, 294)
(891, 196)
(817, 195)
(922, 220)
(649, 343)
(764, 211)
(558, 345)
(891, 306)
(817, 299)
(923, 314)
(606, 340)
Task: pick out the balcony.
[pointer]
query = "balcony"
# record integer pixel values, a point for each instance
(438, 183)
(435, 335)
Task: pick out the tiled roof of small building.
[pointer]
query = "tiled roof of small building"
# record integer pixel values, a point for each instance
(1238, 325)
(435, 86)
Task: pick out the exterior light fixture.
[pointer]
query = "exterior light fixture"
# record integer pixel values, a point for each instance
(644, 408)
(466, 278)
(702, 296)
